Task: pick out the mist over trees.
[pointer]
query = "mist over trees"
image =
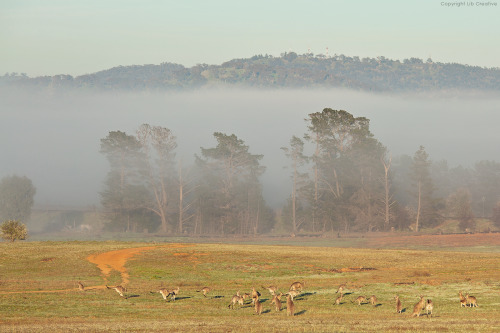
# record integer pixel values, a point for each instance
(16, 198)
(348, 182)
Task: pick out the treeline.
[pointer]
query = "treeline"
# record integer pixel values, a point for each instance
(289, 70)
(348, 183)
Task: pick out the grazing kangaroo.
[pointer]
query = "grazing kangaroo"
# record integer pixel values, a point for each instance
(204, 290)
(297, 286)
(399, 306)
(373, 300)
(235, 299)
(277, 301)
(169, 292)
(119, 289)
(81, 287)
(290, 307)
(429, 306)
(463, 300)
(293, 293)
(258, 306)
(418, 307)
(471, 300)
(341, 288)
(339, 299)
(272, 289)
(360, 299)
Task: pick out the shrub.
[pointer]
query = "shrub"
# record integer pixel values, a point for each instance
(13, 230)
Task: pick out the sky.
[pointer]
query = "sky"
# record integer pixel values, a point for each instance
(53, 37)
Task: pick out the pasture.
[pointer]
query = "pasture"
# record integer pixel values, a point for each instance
(39, 291)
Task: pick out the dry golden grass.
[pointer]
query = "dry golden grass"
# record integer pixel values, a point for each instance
(52, 269)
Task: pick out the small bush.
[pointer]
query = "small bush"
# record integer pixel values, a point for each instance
(13, 230)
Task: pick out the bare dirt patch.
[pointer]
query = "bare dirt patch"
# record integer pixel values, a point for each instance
(116, 260)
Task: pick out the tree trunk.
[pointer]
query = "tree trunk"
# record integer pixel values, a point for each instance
(418, 205)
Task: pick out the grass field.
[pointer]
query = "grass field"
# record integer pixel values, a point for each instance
(39, 293)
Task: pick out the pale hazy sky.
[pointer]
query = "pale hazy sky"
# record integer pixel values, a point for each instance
(76, 37)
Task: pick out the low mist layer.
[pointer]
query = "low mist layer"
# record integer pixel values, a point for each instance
(54, 140)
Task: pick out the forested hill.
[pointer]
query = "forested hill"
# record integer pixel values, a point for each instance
(290, 70)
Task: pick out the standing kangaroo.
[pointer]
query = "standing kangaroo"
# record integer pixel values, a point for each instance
(429, 306)
(258, 306)
(81, 287)
(277, 301)
(290, 307)
(373, 300)
(418, 307)
(339, 299)
(341, 288)
(255, 295)
(399, 306)
(471, 300)
(463, 300)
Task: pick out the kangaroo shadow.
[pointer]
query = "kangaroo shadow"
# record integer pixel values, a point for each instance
(403, 310)
(300, 312)
(181, 298)
(132, 296)
(215, 297)
(266, 311)
(347, 294)
(377, 305)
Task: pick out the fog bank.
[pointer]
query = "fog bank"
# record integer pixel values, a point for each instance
(55, 140)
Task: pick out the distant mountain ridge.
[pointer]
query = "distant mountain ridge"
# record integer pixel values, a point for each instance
(290, 70)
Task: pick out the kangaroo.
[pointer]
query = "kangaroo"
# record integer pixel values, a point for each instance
(277, 301)
(339, 299)
(293, 293)
(373, 300)
(81, 287)
(164, 293)
(119, 289)
(235, 299)
(429, 306)
(255, 295)
(360, 299)
(297, 286)
(272, 289)
(399, 307)
(341, 288)
(204, 290)
(169, 292)
(258, 306)
(463, 300)
(471, 300)
(290, 307)
(418, 307)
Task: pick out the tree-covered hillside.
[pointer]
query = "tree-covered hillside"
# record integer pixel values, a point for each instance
(290, 70)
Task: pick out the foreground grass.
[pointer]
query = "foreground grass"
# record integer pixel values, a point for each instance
(51, 269)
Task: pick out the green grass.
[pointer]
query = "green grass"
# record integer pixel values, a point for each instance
(56, 266)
